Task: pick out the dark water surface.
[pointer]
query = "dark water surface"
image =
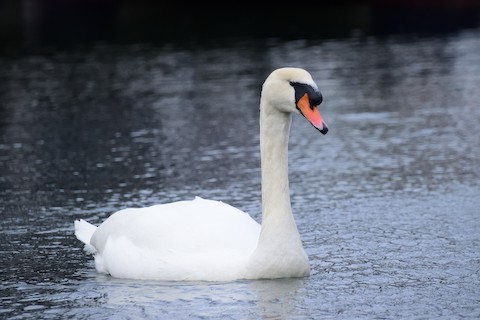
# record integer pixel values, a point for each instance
(387, 203)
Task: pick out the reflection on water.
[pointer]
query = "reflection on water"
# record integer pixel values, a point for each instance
(386, 203)
(241, 299)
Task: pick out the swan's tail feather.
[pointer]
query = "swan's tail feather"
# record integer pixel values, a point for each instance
(84, 232)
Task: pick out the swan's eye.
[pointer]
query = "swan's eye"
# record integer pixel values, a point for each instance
(315, 97)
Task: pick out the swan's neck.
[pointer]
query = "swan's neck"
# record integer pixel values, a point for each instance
(274, 134)
(279, 252)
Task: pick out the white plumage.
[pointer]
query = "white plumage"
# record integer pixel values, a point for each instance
(210, 240)
(176, 241)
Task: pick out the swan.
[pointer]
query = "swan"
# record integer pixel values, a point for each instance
(209, 240)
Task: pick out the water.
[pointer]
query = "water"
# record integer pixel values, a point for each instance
(387, 203)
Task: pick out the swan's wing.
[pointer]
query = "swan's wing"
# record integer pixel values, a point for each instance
(186, 240)
(189, 227)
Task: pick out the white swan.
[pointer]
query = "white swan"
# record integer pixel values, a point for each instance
(209, 240)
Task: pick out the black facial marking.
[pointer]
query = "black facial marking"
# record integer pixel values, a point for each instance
(315, 97)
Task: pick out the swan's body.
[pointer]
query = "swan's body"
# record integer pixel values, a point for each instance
(210, 240)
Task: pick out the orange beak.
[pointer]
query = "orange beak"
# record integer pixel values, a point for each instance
(312, 114)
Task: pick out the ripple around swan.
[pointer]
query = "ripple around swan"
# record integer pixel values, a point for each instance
(386, 203)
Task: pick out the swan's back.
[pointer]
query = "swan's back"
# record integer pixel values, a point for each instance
(185, 240)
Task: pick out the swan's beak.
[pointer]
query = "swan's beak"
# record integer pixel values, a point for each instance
(312, 114)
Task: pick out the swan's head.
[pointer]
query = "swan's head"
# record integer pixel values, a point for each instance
(293, 90)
